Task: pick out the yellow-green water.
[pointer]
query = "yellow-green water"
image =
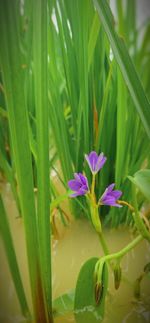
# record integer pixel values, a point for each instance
(77, 243)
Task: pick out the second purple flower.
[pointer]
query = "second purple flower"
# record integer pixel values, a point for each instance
(95, 161)
(79, 185)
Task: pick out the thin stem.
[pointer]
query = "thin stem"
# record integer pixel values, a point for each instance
(126, 204)
(125, 250)
(103, 244)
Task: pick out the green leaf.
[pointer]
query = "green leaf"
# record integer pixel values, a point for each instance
(93, 38)
(63, 304)
(125, 63)
(142, 180)
(86, 309)
(42, 127)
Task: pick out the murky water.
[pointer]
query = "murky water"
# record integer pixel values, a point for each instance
(77, 243)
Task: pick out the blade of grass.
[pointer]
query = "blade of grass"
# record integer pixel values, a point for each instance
(121, 129)
(93, 38)
(41, 98)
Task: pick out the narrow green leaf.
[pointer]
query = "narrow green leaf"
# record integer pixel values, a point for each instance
(43, 181)
(121, 129)
(125, 63)
(93, 38)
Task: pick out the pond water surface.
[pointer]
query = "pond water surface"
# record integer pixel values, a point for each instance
(77, 243)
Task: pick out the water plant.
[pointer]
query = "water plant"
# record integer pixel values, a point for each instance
(73, 80)
(88, 309)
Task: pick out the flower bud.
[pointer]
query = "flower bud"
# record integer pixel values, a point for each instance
(98, 292)
(100, 280)
(117, 276)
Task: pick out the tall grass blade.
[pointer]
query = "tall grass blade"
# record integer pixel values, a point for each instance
(121, 129)
(42, 127)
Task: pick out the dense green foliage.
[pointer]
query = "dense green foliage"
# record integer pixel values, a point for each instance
(65, 90)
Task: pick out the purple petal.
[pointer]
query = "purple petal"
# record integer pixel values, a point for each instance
(110, 197)
(74, 194)
(74, 185)
(92, 159)
(103, 195)
(108, 200)
(79, 185)
(83, 179)
(100, 162)
(110, 187)
(111, 202)
(80, 192)
(116, 194)
(77, 177)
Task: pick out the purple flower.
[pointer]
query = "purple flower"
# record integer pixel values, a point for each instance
(95, 162)
(79, 185)
(110, 197)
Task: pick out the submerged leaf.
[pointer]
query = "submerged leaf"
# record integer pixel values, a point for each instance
(63, 304)
(87, 308)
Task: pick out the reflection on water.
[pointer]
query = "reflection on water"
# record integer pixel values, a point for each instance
(68, 254)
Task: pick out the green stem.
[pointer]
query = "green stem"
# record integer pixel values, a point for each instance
(95, 218)
(103, 244)
(123, 251)
(94, 207)
(93, 187)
